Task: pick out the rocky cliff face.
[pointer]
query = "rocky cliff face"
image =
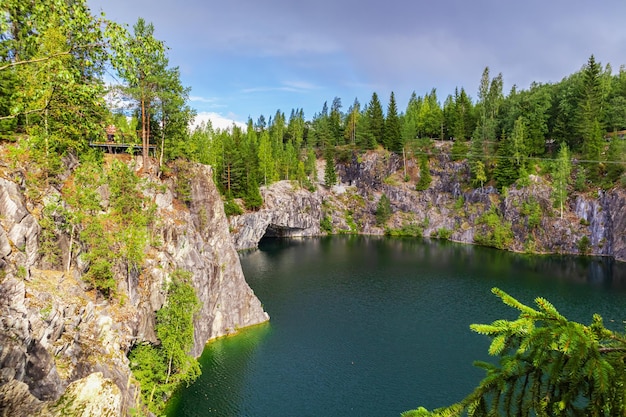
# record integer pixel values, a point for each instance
(62, 347)
(525, 217)
(289, 211)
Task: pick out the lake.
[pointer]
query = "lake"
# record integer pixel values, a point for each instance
(374, 326)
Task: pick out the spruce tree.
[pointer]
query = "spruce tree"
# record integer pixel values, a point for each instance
(376, 120)
(330, 176)
(548, 366)
(392, 137)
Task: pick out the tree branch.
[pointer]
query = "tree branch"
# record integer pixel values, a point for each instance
(34, 60)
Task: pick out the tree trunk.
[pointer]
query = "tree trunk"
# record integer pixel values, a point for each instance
(144, 136)
(69, 254)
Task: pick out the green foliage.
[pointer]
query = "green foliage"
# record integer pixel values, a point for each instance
(161, 369)
(459, 150)
(100, 256)
(561, 177)
(584, 245)
(183, 181)
(330, 176)
(496, 231)
(548, 366)
(444, 233)
(392, 137)
(407, 230)
(580, 183)
(459, 203)
(49, 247)
(352, 226)
(253, 198)
(114, 240)
(425, 178)
(383, 210)
(532, 210)
(149, 368)
(231, 208)
(326, 224)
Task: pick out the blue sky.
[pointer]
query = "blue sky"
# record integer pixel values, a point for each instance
(244, 58)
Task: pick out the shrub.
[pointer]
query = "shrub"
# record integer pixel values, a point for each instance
(444, 233)
(231, 208)
(497, 233)
(584, 245)
(532, 210)
(326, 224)
(383, 210)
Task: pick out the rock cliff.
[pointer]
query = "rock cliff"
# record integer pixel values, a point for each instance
(521, 219)
(62, 347)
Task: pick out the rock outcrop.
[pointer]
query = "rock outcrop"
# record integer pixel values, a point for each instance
(592, 224)
(62, 347)
(288, 211)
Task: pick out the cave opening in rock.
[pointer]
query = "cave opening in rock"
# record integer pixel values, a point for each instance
(274, 231)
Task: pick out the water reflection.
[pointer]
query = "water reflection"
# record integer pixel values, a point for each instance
(224, 363)
(373, 326)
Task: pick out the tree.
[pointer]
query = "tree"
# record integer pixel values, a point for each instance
(616, 161)
(376, 120)
(352, 120)
(52, 55)
(590, 117)
(383, 210)
(511, 155)
(411, 116)
(140, 59)
(160, 369)
(561, 177)
(174, 115)
(335, 120)
(330, 176)
(425, 178)
(549, 366)
(392, 137)
(266, 163)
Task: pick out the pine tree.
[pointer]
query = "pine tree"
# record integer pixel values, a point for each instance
(590, 118)
(549, 366)
(392, 138)
(330, 176)
(376, 120)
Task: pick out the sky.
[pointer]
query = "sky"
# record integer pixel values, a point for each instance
(247, 58)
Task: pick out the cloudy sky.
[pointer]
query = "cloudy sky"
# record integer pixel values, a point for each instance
(244, 58)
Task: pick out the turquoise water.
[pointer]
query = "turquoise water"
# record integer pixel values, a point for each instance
(366, 326)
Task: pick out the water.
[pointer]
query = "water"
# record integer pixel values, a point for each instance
(375, 326)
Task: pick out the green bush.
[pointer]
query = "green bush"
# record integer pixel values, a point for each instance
(532, 210)
(326, 224)
(407, 230)
(161, 369)
(444, 233)
(383, 210)
(584, 245)
(231, 208)
(497, 233)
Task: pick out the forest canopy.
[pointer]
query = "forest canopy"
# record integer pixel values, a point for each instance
(56, 55)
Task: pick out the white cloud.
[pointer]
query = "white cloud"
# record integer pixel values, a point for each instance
(199, 99)
(218, 121)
